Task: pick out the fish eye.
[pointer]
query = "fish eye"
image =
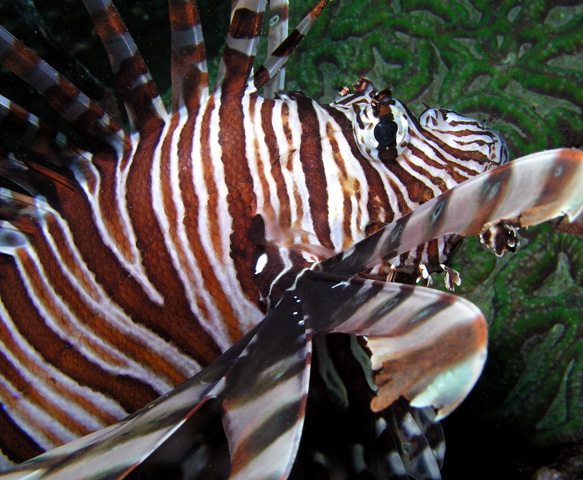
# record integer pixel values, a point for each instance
(380, 123)
(385, 132)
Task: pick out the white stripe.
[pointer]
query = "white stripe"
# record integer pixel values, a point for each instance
(334, 187)
(108, 310)
(70, 328)
(136, 268)
(295, 180)
(253, 133)
(186, 271)
(287, 266)
(392, 195)
(273, 226)
(84, 167)
(30, 410)
(246, 46)
(247, 416)
(49, 377)
(223, 266)
(276, 460)
(359, 217)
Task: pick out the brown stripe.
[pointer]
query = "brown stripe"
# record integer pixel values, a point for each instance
(313, 167)
(452, 169)
(27, 65)
(109, 210)
(378, 197)
(208, 177)
(129, 392)
(267, 208)
(492, 194)
(11, 373)
(246, 24)
(130, 72)
(267, 123)
(427, 137)
(284, 50)
(422, 172)
(26, 363)
(417, 191)
(122, 287)
(14, 442)
(50, 304)
(350, 188)
(557, 179)
(104, 327)
(191, 206)
(188, 81)
(176, 316)
(241, 200)
(432, 251)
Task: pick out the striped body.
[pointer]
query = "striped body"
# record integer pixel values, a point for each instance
(152, 252)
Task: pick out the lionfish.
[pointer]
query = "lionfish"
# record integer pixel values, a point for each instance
(243, 248)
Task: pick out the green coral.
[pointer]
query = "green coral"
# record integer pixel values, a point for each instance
(533, 381)
(519, 63)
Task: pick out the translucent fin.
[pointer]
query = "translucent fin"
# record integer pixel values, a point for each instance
(427, 346)
(263, 429)
(36, 135)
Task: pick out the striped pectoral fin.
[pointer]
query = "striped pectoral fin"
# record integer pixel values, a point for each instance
(53, 152)
(259, 386)
(525, 192)
(96, 127)
(278, 24)
(426, 346)
(264, 398)
(130, 446)
(241, 45)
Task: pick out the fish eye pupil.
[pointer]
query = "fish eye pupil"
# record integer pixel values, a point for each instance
(385, 133)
